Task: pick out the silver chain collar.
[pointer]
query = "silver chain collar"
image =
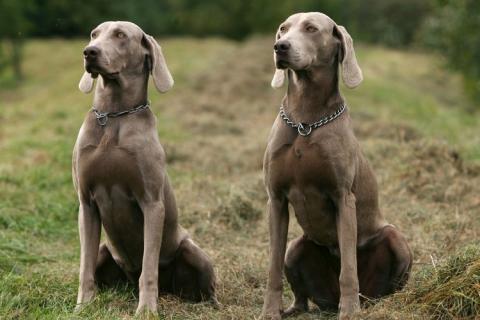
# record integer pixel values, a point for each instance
(304, 129)
(102, 117)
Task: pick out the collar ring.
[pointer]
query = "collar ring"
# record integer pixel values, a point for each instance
(304, 129)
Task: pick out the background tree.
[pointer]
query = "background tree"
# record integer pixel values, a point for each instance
(453, 32)
(449, 26)
(14, 26)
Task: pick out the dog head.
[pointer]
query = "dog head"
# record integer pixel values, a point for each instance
(121, 47)
(308, 40)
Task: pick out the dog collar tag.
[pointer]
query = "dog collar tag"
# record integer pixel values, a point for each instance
(102, 117)
(102, 120)
(304, 129)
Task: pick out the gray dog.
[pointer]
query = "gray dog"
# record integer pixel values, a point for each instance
(120, 177)
(313, 162)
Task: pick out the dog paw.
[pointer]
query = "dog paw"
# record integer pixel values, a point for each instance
(215, 303)
(295, 309)
(271, 316)
(271, 312)
(79, 307)
(85, 296)
(348, 307)
(272, 306)
(147, 308)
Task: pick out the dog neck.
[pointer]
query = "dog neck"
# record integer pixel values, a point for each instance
(123, 92)
(312, 94)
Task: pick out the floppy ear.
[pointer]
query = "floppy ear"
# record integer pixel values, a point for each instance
(158, 67)
(86, 83)
(351, 72)
(278, 78)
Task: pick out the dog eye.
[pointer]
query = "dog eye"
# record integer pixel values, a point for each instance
(94, 35)
(121, 35)
(283, 28)
(311, 29)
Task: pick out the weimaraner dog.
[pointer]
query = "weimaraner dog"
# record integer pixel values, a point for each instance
(122, 184)
(313, 162)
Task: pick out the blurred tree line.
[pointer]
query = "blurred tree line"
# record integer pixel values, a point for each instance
(451, 26)
(389, 21)
(454, 31)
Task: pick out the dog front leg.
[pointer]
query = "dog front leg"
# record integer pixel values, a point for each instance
(347, 240)
(154, 216)
(278, 227)
(89, 226)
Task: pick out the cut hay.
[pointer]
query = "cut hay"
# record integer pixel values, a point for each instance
(448, 289)
(237, 210)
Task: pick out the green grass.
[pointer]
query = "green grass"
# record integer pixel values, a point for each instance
(416, 127)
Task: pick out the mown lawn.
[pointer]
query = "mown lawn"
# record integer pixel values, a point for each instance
(414, 124)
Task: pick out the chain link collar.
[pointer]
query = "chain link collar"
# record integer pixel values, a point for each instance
(102, 117)
(304, 129)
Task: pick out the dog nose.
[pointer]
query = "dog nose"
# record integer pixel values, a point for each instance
(91, 52)
(281, 46)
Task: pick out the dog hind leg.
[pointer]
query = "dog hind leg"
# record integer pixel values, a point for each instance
(384, 264)
(193, 275)
(107, 272)
(312, 272)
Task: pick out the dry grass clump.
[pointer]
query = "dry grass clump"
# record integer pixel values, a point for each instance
(449, 289)
(237, 210)
(452, 289)
(439, 171)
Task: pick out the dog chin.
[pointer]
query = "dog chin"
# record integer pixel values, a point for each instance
(296, 66)
(110, 75)
(95, 71)
(92, 70)
(282, 64)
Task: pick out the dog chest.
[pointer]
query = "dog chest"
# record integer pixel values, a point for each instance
(308, 175)
(305, 164)
(315, 213)
(108, 167)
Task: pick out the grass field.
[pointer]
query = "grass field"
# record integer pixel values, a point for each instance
(413, 122)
